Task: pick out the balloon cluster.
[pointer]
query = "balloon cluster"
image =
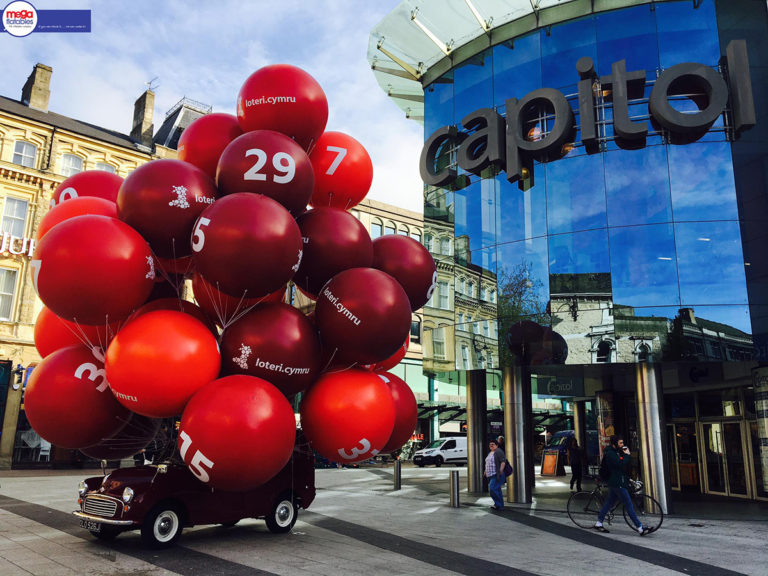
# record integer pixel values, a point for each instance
(229, 218)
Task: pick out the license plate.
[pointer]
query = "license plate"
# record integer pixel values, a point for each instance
(90, 525)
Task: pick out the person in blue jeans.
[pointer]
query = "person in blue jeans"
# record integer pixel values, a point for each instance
(494, 471)
(619, 462)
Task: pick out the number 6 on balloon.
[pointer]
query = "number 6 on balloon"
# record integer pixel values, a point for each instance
(198, 459)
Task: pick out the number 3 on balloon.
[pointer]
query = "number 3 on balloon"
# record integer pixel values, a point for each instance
(365, 446)
(198, 459)
(198, 236)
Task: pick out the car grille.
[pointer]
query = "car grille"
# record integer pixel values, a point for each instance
(99, 506)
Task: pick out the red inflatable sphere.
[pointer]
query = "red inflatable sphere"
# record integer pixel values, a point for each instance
(99, 183)
(364, 314)
(68, 402)
(343, 171)
(275, 342)
(269, 163)
(223, 308)
(393, 360)
(137, 433)
(286, 99)
(408, 262)
(162, 199)
(76, 207)
(334, 240)
(203, 141)
(406, 411)
(247, 245)
(158, 361)
(93, 269)
(177, 305)
(53, 333)
(348, 416)
(237, 433)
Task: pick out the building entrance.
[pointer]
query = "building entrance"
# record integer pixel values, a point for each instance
(683, 450)
(725, 450)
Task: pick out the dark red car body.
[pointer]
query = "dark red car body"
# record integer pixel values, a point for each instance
(171, 486)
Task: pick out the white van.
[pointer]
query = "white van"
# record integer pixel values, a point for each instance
(452, 450)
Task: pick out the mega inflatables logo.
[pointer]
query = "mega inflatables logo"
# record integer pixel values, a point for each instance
(19, 18)
(510, 145)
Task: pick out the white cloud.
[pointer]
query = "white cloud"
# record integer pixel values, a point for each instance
(205, 51)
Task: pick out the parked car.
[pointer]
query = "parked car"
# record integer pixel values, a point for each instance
(452, 450)
(160, 500)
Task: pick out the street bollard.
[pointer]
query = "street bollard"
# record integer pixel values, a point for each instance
(454, 488)
(398, 475)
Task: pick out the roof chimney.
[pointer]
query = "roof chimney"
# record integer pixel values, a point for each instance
(687, 315)
(143, 111)
(37, 90)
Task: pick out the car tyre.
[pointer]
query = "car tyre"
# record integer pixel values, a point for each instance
(420, 465)
(162, 526)
(439, 461)
(283, 516)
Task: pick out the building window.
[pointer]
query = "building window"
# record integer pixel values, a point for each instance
(428, 242)
(493, 296)
(438, 342)
(389, 229)
(71, 164)
(376, 230)
(464, 357)
(476, 327)
(416, 235)
(604, 349)
(643, 352)
(486, 328)
(481, 362)
(24, 154)
(483, 293)
(445, 246)
(461, 320)
(402, 231)
(461, 287)
(416, 331)
(471, 289)
(14, 216)
(7, 291)
(106, 167)
(443, 295)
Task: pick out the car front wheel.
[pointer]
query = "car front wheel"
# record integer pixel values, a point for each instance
(283, 516)
(162, 527)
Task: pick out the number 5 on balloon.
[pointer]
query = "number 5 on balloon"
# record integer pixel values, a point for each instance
(198, 236)
(198, 459)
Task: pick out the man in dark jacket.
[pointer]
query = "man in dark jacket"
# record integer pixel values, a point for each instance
(617, 457)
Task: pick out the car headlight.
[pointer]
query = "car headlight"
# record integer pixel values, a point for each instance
(128, 495)
(82, 488)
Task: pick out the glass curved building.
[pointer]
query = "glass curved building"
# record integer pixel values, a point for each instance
(597, 203)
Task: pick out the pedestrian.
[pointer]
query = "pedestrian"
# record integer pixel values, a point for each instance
(495, 463)
(500, 442)
(576, 462)
(618, 461)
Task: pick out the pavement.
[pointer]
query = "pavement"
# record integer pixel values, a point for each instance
(359, 524)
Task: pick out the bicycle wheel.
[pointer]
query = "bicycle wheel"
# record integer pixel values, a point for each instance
(648, 511)
(583, 508)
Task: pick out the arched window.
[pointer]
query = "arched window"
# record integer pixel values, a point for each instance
(604, 349)
(105, 167)
(643, 352)
(71, 164)
(403, 231)
(376, 229)
(389, 229)
(416, 235)
(24, 153)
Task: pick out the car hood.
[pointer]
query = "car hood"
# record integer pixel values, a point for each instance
(116, 481)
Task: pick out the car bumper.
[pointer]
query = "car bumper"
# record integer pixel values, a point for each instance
(424, 460)
(110, 521)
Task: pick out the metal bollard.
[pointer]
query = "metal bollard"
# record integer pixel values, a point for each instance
(454, 488)
(397, 475)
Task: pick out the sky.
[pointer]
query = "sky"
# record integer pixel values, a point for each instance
(204, 50)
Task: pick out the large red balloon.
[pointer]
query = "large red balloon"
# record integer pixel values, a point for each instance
(364, 314)
(137, 433)
(269, 163)
(348, 416)
(237, 433)
(99, 183)
(93, 269)
(178, 305)
(53, 333)
(286, 99)
(223, 308)
(408, 262)
(162, 199)
(158, 361)
(334, 240)
(76, 207)
(275, 342)
(203, 141)
(68, 402)
(247, 245)
(393, 360)
(343, 171)
(406, 411)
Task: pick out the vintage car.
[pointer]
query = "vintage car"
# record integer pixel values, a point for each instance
(160, 500)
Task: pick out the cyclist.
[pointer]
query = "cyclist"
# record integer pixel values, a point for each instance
(617, 458)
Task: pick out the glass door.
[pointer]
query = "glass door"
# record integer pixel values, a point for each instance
(683, 456)
(725, 459)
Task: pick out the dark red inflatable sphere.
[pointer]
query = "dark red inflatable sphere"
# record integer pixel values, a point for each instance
(406, 411)
(408, 262)
(334, 240)
(203, 141)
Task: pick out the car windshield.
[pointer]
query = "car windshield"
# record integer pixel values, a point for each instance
(436, 444)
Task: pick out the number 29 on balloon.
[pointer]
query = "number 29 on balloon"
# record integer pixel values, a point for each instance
(199, 462)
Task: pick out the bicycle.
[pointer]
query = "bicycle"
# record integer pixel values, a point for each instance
(584, 506)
